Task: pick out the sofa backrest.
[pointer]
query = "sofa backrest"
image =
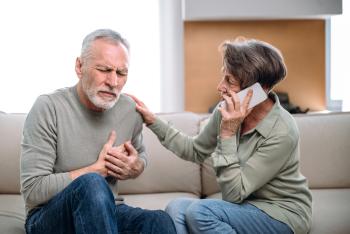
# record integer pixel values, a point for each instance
(324, 152)
(165, 171)
(11, 126)
(325, 149)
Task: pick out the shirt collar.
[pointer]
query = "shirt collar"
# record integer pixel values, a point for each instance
(266, 125)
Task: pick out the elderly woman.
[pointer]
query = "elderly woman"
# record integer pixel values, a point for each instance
(255, 152)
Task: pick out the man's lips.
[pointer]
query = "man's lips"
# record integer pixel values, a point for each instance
(107, 94)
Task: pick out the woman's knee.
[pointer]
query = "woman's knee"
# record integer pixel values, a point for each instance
(202, 211)
(178, 206)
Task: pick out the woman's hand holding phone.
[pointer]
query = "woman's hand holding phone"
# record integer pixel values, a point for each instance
(237, 106)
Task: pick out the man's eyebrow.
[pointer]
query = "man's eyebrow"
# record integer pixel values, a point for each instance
(122, 69)
(104, 66)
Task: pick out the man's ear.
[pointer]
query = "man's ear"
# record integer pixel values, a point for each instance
(79, 67)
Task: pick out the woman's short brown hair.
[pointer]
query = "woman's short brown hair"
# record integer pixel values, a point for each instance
(251, 61)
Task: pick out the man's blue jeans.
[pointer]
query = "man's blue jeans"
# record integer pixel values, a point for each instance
(87, 206)
(208, 216)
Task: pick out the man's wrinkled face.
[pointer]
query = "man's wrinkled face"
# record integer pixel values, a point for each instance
(103, 74)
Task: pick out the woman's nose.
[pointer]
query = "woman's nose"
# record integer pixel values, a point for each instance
(220, 86)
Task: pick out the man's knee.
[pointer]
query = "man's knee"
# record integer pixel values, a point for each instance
(162, 221)
(94, 188)
(161, 216)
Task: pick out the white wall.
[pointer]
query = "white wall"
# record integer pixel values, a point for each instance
(171, 56)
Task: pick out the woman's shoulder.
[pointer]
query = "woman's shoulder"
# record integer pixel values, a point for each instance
(286, 125)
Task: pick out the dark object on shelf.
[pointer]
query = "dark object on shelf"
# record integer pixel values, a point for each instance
(285, 103)
(284, 100)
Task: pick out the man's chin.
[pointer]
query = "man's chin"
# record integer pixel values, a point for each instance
(104, 104)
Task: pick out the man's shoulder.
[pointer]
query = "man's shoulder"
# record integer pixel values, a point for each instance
(126, 100)
(50, 100)
(62, 92)
(128, 106)
(125, 104)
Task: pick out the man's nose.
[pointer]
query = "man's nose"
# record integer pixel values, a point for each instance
(112, 79)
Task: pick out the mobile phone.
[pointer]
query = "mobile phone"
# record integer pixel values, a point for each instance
(259, 95)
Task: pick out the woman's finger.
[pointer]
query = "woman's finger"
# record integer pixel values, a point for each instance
(229, 104)
(246, 100)
(236, 101)
(138, 101)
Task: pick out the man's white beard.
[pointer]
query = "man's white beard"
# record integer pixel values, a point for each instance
(91, 93)
(98, 102)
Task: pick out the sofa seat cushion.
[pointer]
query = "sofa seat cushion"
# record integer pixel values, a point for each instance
(12, 214)
(331, 211)
(154, 201)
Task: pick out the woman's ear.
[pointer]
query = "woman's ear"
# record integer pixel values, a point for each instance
(79, 67)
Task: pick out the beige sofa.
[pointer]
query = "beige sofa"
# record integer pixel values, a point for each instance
(325, 161)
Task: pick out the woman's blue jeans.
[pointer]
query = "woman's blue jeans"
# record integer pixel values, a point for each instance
(208, 216)
(87, 206)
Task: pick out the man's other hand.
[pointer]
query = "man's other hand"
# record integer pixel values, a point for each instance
(123, 162)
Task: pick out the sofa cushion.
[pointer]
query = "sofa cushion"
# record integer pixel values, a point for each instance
(325, 149)
(165, 171)
(11, 126)
(330, 209)
(12, 214)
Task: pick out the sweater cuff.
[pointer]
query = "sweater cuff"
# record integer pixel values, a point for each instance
(159, 128)
(142, 157)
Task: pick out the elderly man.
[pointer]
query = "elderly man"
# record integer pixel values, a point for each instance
(78, 142)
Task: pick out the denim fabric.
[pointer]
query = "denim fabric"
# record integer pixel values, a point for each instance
(87, 206)
(208, 216)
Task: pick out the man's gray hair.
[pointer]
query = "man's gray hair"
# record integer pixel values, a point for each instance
(105, 34)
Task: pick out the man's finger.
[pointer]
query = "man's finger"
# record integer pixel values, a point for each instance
(117, 149)
(130, 148)
(118, 159)
(111, 139)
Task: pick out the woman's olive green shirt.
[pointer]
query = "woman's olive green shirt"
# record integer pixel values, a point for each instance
(260, 167)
